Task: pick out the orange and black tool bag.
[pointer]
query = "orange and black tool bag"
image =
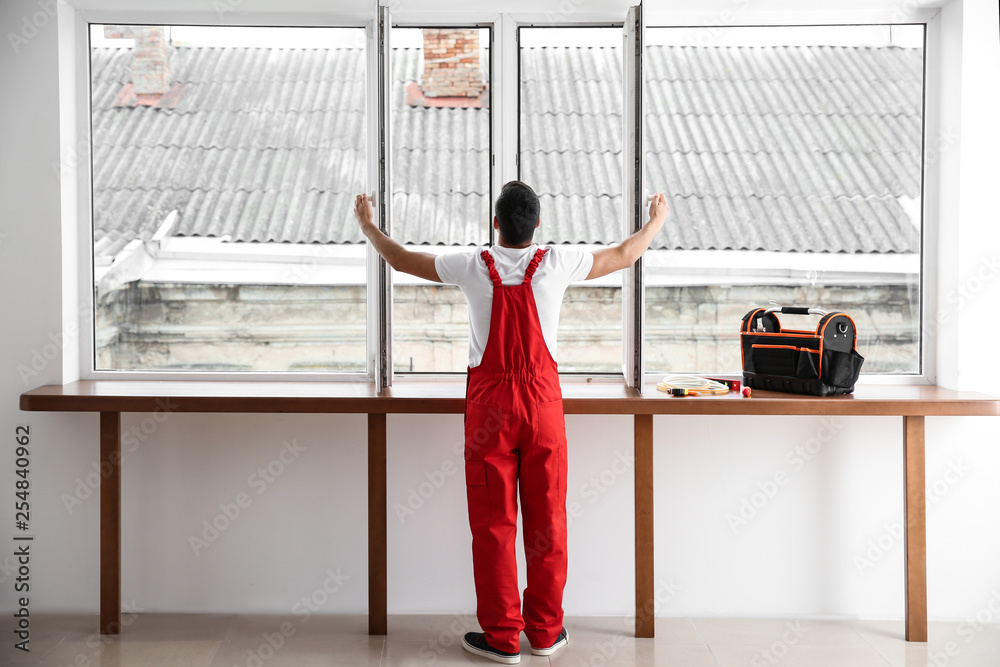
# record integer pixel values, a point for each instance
(821, 362)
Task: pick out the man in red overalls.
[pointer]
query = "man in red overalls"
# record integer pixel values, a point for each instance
(515, 430)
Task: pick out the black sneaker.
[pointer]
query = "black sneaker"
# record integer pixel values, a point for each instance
(475, 642)
(561, 641)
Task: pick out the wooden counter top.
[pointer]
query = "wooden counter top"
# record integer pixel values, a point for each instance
(447, 397)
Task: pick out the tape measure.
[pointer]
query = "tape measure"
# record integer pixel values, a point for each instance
(691, 384)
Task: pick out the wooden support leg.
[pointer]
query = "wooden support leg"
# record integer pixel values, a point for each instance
(916, 530)
(644, 585)
(111, 513)
(377, 621)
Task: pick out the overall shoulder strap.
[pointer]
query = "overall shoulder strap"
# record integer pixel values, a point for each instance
(530, 271)
(494, 276)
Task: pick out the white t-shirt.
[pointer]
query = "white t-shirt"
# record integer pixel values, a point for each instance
(560, 266)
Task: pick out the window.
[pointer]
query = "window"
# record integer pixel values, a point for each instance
(225, 164)
(440, 177)
(791, 160)
(570, 152)
(226, 161)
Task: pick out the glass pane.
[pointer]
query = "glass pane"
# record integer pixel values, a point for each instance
(225, 165)
(571, 154)
(440, 183)
(791, 160)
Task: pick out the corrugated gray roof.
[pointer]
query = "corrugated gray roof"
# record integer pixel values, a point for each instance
(782, 148)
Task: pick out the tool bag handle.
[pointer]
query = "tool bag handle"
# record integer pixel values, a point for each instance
(796, 310)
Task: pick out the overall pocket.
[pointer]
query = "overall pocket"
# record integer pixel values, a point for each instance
(481, 511)
(550, 432)
(550, 424)
(483, 422)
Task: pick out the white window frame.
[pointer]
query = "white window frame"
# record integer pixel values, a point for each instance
(504, 87)
(87, 306)
(633, 195)
(379, 286)
(631, 278)
(931, 177)
(504, 128)
(494, 23)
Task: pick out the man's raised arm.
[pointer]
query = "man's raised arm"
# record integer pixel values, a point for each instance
(625, 254)
(420, 264)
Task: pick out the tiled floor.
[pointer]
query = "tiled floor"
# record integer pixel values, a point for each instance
(150, 640)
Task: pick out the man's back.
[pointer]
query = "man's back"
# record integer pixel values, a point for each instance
(561, 266)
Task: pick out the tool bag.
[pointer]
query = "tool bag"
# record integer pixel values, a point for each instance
(821, 362)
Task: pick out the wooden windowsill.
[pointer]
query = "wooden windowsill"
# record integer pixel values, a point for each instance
(447, 397)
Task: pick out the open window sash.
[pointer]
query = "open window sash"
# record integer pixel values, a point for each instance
(379, 137)
(633, 196)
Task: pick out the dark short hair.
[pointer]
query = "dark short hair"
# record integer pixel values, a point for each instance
(517, 210)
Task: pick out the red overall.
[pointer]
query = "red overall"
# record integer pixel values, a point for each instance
(515, 437)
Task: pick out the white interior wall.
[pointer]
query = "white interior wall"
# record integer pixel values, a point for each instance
(797, 555)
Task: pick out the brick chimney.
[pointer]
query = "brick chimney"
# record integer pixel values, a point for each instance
(451, 63)
(150, 68)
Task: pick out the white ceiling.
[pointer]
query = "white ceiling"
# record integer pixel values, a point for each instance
(559, 9)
